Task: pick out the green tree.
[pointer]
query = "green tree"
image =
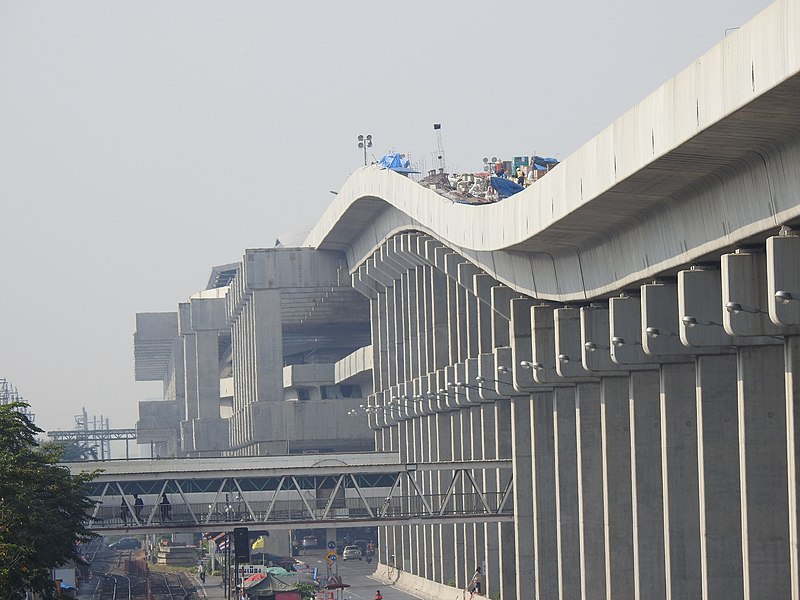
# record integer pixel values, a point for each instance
(44, 509)
(308, 591)
(77, 451)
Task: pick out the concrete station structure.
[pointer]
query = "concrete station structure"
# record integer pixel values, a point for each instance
(626, 330)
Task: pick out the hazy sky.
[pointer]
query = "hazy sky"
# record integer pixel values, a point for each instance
(143, 142)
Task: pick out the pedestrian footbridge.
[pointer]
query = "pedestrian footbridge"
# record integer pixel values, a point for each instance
(287, 492)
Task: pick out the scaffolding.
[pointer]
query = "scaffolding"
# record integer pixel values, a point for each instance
(9, 393)
(94, 435)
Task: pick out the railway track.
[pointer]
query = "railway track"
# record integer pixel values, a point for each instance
(170, 586)
(158, 586)
(113, 587)
(124, 575)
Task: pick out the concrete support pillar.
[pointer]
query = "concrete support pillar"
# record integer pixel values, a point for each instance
(189, 408)
(419, 557)
(466, 274)
(501, 316)
(590, 489)
(764, 472)
(424, 320)
(546, 542)
(399, 324)
(783, 293)
(566, 487)
(648, 506)
(190, 368)
(207, 374)
(439, 307)
(506, 544)
(617, 496)
(718, 464)
(792, 381)
(491, 531)
(763, 449)
(268, 350)
(446, 549)
(679, 472)
(459, 533)
(477, 532)
(423, 549)
(523, 493)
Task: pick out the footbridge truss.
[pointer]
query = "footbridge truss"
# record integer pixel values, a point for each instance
(223, 494)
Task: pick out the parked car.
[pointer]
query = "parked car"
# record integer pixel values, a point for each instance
(126, 544)
(352, 553)
(310, 541)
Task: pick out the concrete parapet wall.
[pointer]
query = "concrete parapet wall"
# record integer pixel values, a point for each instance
(226, 387)
(312, 374)
(417, 586)
(309, 421)
(354, 364)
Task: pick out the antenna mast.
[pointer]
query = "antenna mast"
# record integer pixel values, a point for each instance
(437, 127)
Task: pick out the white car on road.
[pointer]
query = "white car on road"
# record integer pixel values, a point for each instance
(351, 553)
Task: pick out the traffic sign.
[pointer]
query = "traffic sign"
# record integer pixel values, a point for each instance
(331, 545)
(331, 556)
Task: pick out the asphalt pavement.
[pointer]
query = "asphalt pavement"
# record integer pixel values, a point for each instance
(356, 573)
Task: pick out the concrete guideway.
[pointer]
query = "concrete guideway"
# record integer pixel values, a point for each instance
(669, 182)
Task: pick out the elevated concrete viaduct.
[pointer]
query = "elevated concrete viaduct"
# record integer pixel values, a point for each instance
(626, 331)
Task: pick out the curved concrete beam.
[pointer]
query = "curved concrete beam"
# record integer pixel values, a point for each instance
(706, 161)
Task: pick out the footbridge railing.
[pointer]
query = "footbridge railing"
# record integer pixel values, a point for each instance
(301, 496)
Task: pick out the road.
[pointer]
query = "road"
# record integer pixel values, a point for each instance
(353, 572)
(356, 573)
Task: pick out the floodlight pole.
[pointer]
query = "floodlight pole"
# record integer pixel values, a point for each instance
(365, 141)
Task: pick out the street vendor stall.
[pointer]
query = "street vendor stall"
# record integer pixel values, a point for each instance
(270, 586)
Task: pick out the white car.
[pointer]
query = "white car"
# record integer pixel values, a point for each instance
(351, 553)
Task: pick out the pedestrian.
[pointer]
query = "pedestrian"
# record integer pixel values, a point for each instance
(475, 584)
(123, 511)
(378, 595)
(138, 505)
(202, 571)
(166, 508)
(520, 176)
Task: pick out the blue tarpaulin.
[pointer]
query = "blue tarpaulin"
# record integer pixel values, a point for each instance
(541, 163)
(396, 162)
(505, 187)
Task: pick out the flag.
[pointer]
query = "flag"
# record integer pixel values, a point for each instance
(259, 543)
